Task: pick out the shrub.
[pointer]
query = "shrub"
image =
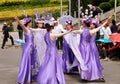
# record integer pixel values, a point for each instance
(14, 3)
(39, 2)
(11, 27)
(105, 6)
(56, 13)
(112, 2)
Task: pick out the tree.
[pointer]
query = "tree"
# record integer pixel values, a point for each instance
(74, 5)
(97, 2)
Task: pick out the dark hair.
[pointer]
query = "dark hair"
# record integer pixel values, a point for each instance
(27, 23)
(113, 22)
(95, 25)
(87, 23)
(48, 27)
(100, 22)
(69, 22)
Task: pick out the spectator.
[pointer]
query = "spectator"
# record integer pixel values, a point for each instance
(20, 32)
(58, 28)
(115, 51)
(113, 27)
(105, 31)
(103, 51)
(6, 30)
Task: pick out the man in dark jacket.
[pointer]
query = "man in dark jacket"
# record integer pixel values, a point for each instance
(20, 32)
(6, 30)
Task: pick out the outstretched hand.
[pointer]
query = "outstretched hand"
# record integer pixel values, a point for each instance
(70, 30)
(109, 17)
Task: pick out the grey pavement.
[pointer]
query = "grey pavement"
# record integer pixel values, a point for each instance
(10, 60)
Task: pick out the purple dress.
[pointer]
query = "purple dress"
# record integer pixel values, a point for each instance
(90, 56)
(68, 58)
(51, 71)
(25, 70)
(95, 53)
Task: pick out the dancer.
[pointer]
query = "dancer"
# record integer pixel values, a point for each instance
(95, 54)
(24, 76)
(39, 43)
(20, 32)
(51, 71)
(94, 71)
(71, 55)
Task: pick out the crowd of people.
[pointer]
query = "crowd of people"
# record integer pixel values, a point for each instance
(40, 61)
(109, 51)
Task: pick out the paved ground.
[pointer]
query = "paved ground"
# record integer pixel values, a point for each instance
(10, 59)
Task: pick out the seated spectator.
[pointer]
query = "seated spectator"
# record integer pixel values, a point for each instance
(115, 51)
(102, 50)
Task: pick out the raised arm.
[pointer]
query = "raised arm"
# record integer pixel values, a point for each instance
(92, 32)
(77, 31)
(62, 29)
(54, 36)
(22, 26)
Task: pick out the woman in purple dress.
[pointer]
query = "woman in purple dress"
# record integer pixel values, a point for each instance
(95, 53)
(51, 71)
(24, 75)
(68, 56)
(94, 71)
(71, 54)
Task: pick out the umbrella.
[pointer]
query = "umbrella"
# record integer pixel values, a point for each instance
(21, 42)
(104, 40)
(65, 18)
(115, 37)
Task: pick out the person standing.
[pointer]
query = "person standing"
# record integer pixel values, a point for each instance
(95, 54)
(39, 42)
(51, 71)
(6, 30)
(58, 28)
(71, 55)
(105, 31)
(20, 32)
(27, 61)
(113, 27)
(94, 71)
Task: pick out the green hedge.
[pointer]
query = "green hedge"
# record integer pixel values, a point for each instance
(112, 2)
(39, 2)
(14, 3)
(105, 6)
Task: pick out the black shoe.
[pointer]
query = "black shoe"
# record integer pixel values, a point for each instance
(98, 80)
(85, 81)
(2, 48)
